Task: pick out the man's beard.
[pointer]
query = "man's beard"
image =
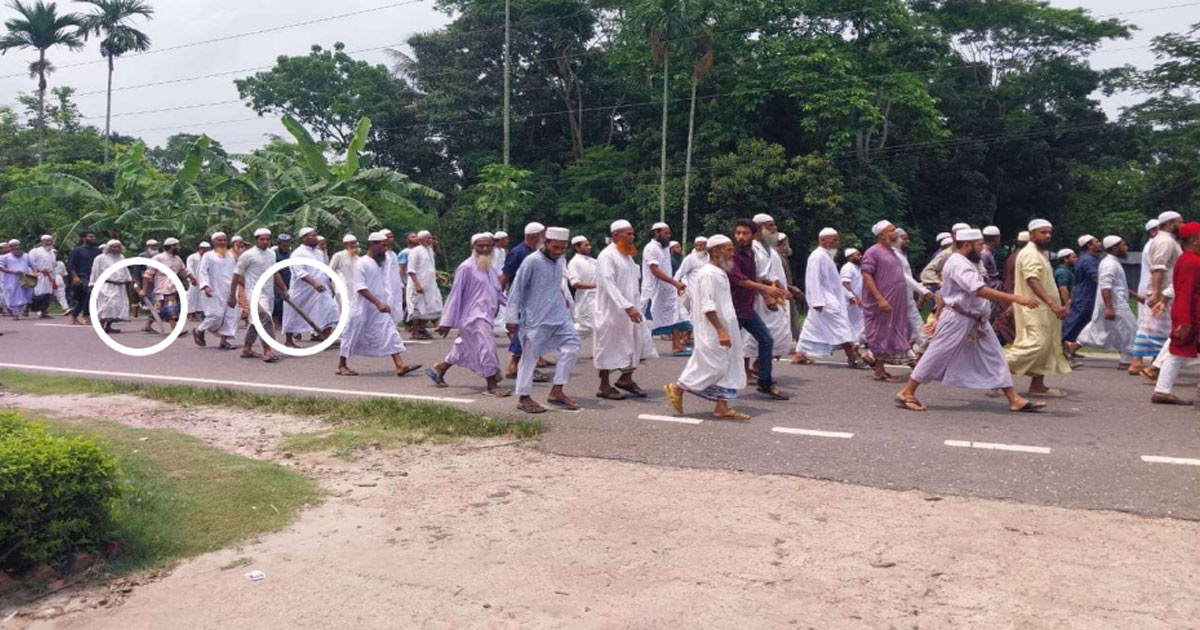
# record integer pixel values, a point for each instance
(627, 248)
(482, 262)
(770, 239)
(832, 251)
(1043, 246)
(975, 256)
(726, 264)
(665, 242)
(380, 257)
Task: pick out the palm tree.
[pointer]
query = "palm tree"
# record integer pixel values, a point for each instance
(111, 19)
(40, 27)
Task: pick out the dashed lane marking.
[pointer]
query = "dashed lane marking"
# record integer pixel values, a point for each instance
(989, 446)
(211, 381)
(64, 326)
(676, 419)
(1159, 459)
(813, 433)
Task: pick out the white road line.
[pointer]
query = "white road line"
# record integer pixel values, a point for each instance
(211, 381)
(989, 446)
(1158, 459)
(813, 433)
(677, 419)
(416, 342)
(65, 326)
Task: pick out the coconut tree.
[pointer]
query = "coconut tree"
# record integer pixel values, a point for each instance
(112, 21)
(40, 27)
(661, 21)
(700, 69)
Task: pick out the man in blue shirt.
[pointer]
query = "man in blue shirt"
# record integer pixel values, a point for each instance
(534, 234)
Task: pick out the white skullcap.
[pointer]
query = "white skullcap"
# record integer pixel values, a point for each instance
(781, 236)
(350, 238)
(969, 234)
(941, 236)
(1038, 224)
(763, 218)
(321, 238)
(217, 235)
(236, 239)
(558, 234)
(620, 224)
(717, 240)
(205, 244)
(1085, 239)
(673, 244)
(878, 228)
(499, 235)
(424, 233)
(901, 232)
(1169, 215)
(151, 242)
(46, 236)
(386, 232)
(701, 239)
(1111, 240)
(960, 226)
(1023, 237)
(305, 232)
(108, 244)
(480, 236)
(15, 241)
(850, 251)
(1152, 224)
(991, 230)
(945, 240)
(262, 232)
(534, 228)
(1064, 252)
(659, 226)
(578, 239)
(375, 237)
(171, 241)
(827, 232)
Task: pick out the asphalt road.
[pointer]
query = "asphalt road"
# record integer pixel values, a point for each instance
(1087, 451)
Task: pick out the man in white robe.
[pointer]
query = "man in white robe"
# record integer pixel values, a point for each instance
(622, 338)
(113, 303)
(216, 276)
(1113, 324)
(827, 326)
(916, 323)
(343, 263)
(393, 278)
(370, 331)
(1144, 347)
(777, 315)
(195, 302)
(309, 291)
(661, 291)
(42, 263)
(60, 277)
(691, 264)
(499, 257)
(715, 371)
(581, 274)
(851, 275)
(251, 265)
(423, 295)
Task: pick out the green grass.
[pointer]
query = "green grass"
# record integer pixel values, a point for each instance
(186, 497)
(354, 423)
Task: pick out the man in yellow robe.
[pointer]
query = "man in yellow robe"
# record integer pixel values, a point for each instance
(1037, 349)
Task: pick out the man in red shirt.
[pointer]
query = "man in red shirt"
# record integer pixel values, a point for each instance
(1185, 316)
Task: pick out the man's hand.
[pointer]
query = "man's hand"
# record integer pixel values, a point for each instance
(884, 305)
(723, 338)
(443, 330)
(1109, 313)
(1061, 312)
(419, 289)
(232, 301)
(777, 293)
(853, 301)
(634, 315)
(1158, 309)
(317, 286)
(76, 281)
(1027, 302)
(680, 288)
(819, 309)
(208, 292)
(512, 328)
(142, 293)
(1141, 299)
(1154, 300)
(1183, 333)
(383, 307)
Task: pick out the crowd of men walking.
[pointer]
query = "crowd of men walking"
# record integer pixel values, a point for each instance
(730, 306)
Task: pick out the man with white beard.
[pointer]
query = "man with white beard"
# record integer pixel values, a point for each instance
(851, 276)
(622, 340)
(827, 326)
(691, 264)
(370, 331)
(309, 291)
(195, 304)
(422, 294)
(42, 262)
(343, 262)
(581, 274)
(112, 304)
(777, 314)
(662, 291)
(216, 276)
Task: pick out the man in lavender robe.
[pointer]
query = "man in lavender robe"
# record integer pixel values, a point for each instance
(474, 299)
(13, 265)
(964, 351)
(885, 306)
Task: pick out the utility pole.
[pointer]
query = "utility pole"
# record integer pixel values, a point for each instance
(507, 88)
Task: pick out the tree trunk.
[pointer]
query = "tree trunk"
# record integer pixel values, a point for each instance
(108, 110)
(662, 183)
(41, 124)
(687, 168)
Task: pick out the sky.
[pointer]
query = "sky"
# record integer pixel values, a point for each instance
(380, 24)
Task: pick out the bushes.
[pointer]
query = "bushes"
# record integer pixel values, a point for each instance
(56, 494)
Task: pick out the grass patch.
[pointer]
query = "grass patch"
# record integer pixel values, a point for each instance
(186, 497)
(355, 422)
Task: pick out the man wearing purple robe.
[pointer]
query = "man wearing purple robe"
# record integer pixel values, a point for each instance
(13, 265)
(885, 305)
(964, 351)
(474, 299)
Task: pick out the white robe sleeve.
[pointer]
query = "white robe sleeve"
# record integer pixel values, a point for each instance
(609, 282)
(815, 293)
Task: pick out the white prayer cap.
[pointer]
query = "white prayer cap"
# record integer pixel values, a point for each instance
(878, 228)
(620, 224)
(969, 234)
(1169, 215)
(850, 251)
(424, 233)
(1023, 237)
(14, 241)
(386, 232)
(534, 228)
(579, 239)
(1085, 239)
(350, 238)
(945, 240)
(763, 218)
(558, 234)
(1038, 224)
(1111, 240)
(673, 244)
(1064, 252)
(375, 237)
(959, 226)
(991, 230)
(171, 241)
(205, 245)
(305, 232)
(46, 237)
(1152, 224)
(701, 239)
(480, 236)
(717, 240)
(901, 232)
(499, 235)
(108, 244)
(262, 232)
(217, 235)
(659, 226)
(320, 238)
(150, 242)
(781, 236)
(236, 239)
(942, 236)
(827, 232)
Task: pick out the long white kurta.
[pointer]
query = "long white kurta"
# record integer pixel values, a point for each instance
(369, 333)
(711, 363)
(193, 266)
(393, 284)
(41, 261)
(1117, 334)
(319, 306)
(769, 266)
(662, 296)
(113, 303)
(692, 263)
(619, 342)
(216, 273)
(916, 323)
(583, 269)
(829, 327)
(852, 274)
(499, 256)
(427, 305)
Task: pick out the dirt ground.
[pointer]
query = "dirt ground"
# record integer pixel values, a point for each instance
(506, 536)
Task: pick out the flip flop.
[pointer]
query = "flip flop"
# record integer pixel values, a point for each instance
(633, 389)
(409, 370)
(731, 415)
(887, 378)
(1050, 393)
(773, 393)
(804, 361)
(910, 404)
(252, 355)
(566, 403)
(438, 381)
(1029, 407)
(1168, 399)
(682, 353)
(611, 394)
(674, 398)
(347, 372)
(531, 408)
(274, 358)
(500, 393)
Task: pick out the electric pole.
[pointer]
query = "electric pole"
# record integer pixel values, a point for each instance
(507, 87)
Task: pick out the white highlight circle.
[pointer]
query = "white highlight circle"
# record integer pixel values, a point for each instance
(343, 297)
(179, 325)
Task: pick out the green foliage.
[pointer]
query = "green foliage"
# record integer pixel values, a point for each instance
(501, 196)
(56, 494)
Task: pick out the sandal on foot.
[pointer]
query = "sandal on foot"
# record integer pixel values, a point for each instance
(1030, 406)
(346, 372)
(1168, 399)
(1049, 393)
(674, 398)
(911, 404)
(540, 377)
(198, 337)
(274, 358)
(804, 361)
(731, 415)
(633, 389)
(887, 378)
(565, 403)
(408, 370)
(611, 394)
(773, 393)
(438, 381)
(500, 393)
(251, 355)
(531, 407)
